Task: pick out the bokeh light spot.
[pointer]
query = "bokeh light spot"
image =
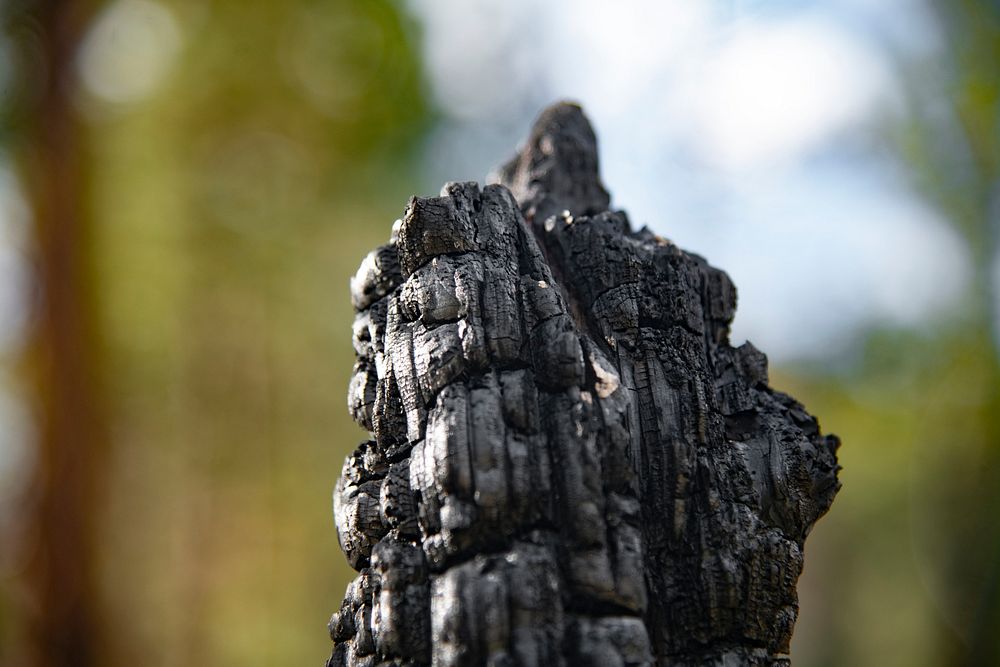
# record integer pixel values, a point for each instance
(129, 50)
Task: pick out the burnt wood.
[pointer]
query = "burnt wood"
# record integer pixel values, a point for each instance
(569, 464)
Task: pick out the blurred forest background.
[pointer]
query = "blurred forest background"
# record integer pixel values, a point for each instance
(187, 185)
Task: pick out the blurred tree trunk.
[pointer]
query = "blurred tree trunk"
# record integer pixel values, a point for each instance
(63, 361)
(571, 464)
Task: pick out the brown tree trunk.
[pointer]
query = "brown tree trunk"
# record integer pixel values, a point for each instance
(571, 465)
(63, 356)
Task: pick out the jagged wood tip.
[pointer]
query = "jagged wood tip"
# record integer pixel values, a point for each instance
(557, 169)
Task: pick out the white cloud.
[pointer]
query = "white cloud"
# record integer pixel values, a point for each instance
(479, 54)
(817, 262)
(777, 91)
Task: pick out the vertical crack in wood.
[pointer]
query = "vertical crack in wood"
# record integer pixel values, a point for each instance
(570, 464)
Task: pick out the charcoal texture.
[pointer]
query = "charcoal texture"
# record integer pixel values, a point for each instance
(570, 463)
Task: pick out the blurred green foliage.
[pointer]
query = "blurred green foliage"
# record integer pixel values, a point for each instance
(232, 208)
(906, 569)
(229, 208)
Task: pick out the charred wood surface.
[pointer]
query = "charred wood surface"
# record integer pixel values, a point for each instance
(569, 464)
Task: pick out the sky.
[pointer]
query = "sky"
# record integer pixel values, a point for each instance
(743, 131)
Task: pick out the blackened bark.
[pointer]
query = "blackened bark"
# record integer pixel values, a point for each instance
(571, 465)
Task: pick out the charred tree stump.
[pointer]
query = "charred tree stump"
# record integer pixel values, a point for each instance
(571, 465)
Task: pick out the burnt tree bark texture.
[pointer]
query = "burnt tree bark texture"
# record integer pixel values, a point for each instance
(571, 465)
